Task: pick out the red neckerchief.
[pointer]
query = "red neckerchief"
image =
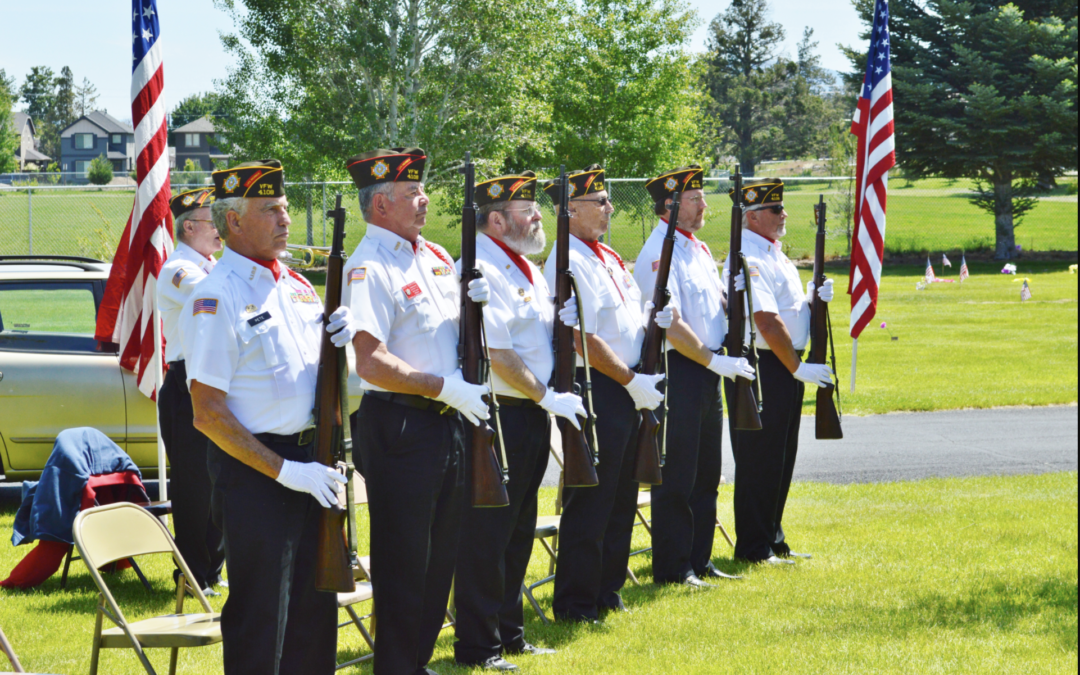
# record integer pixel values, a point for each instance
(521, 263)
(594, 246)
(272, 265)
(438, 254)
(691, 237)
(598, 248)
(299, 277)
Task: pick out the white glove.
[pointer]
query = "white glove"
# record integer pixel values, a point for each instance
(817, 374)
(643, 390)
(731, 367)
(318, 480)
(826, 292)
(568, 314)
(479, 290)
(664, 318)
(740, 282)
(341, 327)
(465, 397)
(564, 405)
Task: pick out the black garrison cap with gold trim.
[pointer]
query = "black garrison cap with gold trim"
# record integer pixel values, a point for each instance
(507, 188)
(763, 193)
(589, 180)
(264, 178)
(663, 187)
(396, 165)
(191, 199)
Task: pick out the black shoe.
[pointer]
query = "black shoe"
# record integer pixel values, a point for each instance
(531, 650)
(574, 618)
(695, 583)
(712, 573)
(774, 560)
(619, 607)
(496, 663)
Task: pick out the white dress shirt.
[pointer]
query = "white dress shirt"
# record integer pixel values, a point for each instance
(519, 315)
(407, 297)
(777, 288)
(694, 283)
(257, 340)
(184, 268)
(610, 299)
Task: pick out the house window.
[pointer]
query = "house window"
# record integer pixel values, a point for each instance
(81, 167)
(191, 140)
(84, 141)
(117, 139)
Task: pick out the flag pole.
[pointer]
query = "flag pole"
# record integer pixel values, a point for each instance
(854, 358)
(163, 476)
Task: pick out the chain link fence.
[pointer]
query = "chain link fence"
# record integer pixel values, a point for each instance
(924, 217)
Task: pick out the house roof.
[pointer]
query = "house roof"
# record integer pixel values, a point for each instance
(112, 154)
(203, 125)
(32, 155)
(104, 121)
(20, 120)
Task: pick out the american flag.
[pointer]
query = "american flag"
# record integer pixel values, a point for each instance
(964, 273)
(873, 125)
(127, 312)
(930, 276)
(1025, 292)
(945, 262)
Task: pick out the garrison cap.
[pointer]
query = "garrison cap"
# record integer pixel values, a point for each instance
(686, 178)
(585, 182)
(507, 188)
(764, 192)
(396, 165)
(191, 199)
(264, 178)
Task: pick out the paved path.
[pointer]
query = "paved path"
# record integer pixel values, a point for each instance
(910, 446)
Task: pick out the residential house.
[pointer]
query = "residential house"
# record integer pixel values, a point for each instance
(27, 152)
(92, 135)
(196, 141)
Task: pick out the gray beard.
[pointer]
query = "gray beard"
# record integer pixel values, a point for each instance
(530, 244)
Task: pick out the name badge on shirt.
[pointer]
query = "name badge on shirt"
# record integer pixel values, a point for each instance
(442, 270)
(411, 290)
(256, 320)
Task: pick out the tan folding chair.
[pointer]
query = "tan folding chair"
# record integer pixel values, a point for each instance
(547, 527)
(644, 501)
(720, 525)
(109, 533)
(363, 592)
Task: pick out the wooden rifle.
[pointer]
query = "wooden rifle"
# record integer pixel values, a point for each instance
(581, 450)
(334, 563)
(650, 458)
(745, 409)
(489, 471)
(828, 413)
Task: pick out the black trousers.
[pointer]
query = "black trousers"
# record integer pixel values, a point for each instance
(274, 622)
(684, 505)
(496, 545)
(598, 522)
(197, 537)
(413, 465)
(765, 462)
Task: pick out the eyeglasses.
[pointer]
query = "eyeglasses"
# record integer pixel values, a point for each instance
(198, 220)
(603, 201)
(530, 210)
(776, 209)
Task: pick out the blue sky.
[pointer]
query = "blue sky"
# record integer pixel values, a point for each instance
(93, 39)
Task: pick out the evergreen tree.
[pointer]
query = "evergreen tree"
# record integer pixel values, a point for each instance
(196, 106)
(9, 139)
(985, 90)
(100, 171)
(38, 93)
(86, 98)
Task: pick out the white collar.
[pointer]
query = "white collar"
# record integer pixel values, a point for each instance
(185, 252)
(395, 244)
(754, 239)
(487, 243)
(246, 268)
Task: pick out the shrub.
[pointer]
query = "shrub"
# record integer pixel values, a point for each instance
(100, 171)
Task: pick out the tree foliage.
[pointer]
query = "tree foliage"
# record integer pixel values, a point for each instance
(53, 102)
(985, 90)
(196, 106)
(9, 139)
(86, 98)
(100, 171)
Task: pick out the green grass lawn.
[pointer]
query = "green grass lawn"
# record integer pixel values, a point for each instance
(938, 576)
(929, 215)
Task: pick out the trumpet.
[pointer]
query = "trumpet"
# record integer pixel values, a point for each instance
(305, 257)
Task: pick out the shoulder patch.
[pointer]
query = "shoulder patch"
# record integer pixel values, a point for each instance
(655, 265)
(754, 271)
(178, 277)
(204, 306)
(357, 274)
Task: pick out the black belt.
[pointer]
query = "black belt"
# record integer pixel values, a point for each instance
(299, 439)
(517, 402)
(800, 352)
(412, 401)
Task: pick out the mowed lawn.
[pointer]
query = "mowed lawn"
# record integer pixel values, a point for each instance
(971, 575)
(931, 215)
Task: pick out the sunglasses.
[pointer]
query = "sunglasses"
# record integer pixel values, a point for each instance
(777, 209)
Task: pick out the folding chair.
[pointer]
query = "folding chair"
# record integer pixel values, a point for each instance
(106, 534)
(5, 646)
(363, 592)
(547, 527)
(644, 501)
(720, 525)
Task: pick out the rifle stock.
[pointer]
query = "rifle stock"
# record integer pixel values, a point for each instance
(489, 476)
(745, 409)
(828, 416)
(334, 563)
(648, 465)
(579, 458)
